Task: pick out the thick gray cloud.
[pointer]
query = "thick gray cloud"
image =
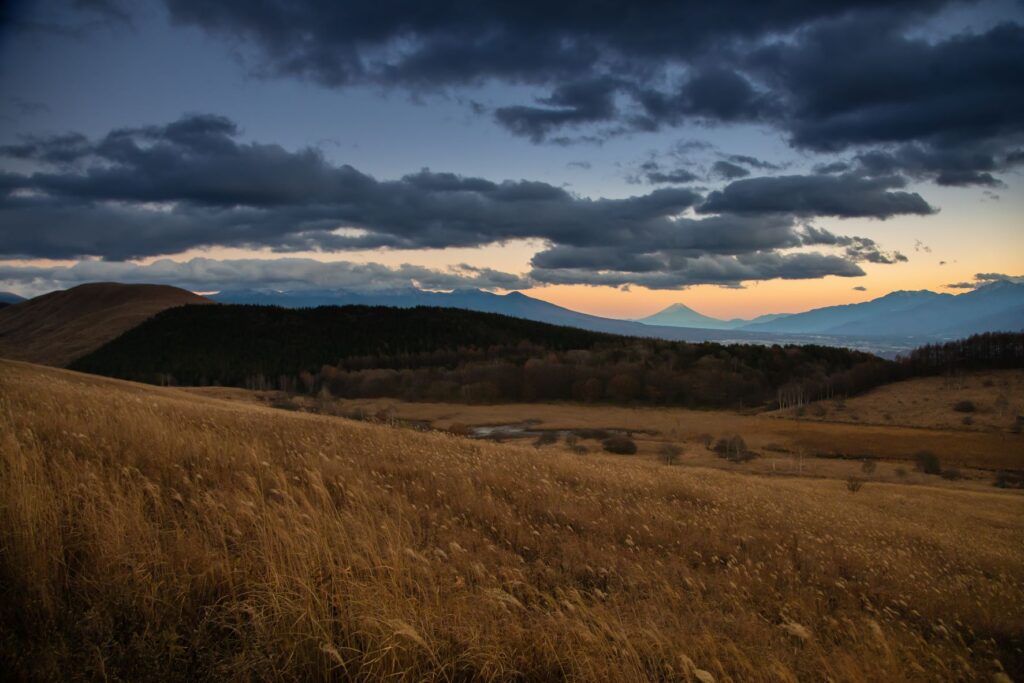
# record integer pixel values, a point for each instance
(721, 270)
(158, 190)
(752, 162)
(718, 250)
(957, 165)
(831, 76)
(729, 170)
(676, 176)
(203, 274)
(856, 248)
(846, 196)
(453, 43)
(587, 101)
(162, 189)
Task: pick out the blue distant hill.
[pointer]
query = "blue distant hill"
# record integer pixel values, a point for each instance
(9, 298)
(996, 307)
(887, 325)
(514, 303)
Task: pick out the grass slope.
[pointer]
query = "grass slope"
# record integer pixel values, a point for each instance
(150, 534)
(57, 328)
(996, 400)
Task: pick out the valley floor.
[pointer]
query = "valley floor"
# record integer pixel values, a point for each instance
(835, 445)
(163, 534)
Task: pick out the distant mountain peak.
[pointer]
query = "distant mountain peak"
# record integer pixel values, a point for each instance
(678, 307)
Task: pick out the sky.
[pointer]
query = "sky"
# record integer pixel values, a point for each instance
(740, 157)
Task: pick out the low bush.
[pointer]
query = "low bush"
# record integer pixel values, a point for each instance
(1005, 479)
(927, 462)
(964, 407)
(620, 444)
(733, 448)
(546, 439)
(854, 484)
(458, 429)
(284, 403)
(951, 473)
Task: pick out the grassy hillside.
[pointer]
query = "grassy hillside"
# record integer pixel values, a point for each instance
(60, 327)
(150, 534)
(976, 401)
(457, 355)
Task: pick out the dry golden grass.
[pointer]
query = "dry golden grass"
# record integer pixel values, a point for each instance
(928, 403)
(983, 450)
(153, 534)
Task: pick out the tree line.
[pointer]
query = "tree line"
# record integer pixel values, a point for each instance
(454, 355)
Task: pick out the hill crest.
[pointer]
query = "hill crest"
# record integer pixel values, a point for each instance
(60, 327)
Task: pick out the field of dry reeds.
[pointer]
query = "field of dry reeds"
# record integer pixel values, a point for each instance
(152, 534)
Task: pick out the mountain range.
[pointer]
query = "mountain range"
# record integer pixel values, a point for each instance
(60, 326)
(515, 304)
(921, 316)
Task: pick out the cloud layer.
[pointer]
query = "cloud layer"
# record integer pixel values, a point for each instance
(163, 189)
(832, 77)
(204, 274)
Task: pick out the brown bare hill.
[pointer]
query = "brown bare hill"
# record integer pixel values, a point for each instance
(59, 327)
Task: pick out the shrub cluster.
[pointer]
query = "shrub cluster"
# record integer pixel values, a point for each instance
(620, 444)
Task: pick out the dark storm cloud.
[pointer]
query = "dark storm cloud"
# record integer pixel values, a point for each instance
(944, 109)
(203, 274)
(859, 81)
(729, 170)
(162, 189)
(58, 149)
(676, 176)
(712, 94)
(844, 196)
(451, 43)
(724, 250)
(711, 269)
(958, 166)
(832, 167)
(71, 18)
(855, 248)
(156, 190)
(752, 162)
(831, 76)
(574, 103)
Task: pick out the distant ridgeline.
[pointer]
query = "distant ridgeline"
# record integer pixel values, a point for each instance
(454, 355)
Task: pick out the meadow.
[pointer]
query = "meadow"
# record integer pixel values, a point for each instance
(832, 438)
(151, 533)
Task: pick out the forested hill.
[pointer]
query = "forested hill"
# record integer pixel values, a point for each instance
(457, 355)
(229, 344)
